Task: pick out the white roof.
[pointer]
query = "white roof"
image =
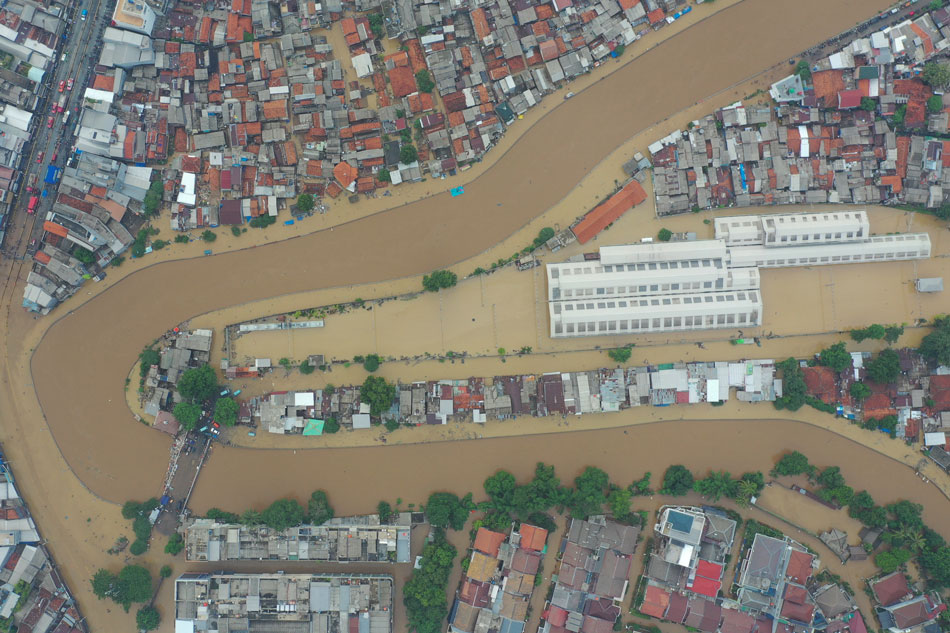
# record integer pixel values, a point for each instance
(184, 626)
(935, 439)
(361, 421)
(303, 399)
(662, 252)
(363, 64)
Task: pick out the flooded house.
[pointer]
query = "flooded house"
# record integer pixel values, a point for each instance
(295, 603)
(339, 540)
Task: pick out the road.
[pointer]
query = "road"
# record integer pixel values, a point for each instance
(83, 42)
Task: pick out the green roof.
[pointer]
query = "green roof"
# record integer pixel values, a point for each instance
(868, 72)
(314, 427)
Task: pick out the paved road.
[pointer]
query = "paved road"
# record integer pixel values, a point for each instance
(82, 43)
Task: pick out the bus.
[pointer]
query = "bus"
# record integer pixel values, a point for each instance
(31, 208)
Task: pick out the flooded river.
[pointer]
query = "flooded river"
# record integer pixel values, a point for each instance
(80, 366)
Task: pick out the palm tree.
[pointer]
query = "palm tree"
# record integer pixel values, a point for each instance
(746, 490)
(911, 537)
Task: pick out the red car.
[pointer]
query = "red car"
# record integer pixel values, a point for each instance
(69, 84)
(49, 122)
(39, 157)
(62, 85)
(55, 155)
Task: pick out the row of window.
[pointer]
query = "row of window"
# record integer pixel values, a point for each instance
(818, 236)
(838, 258)
(656, 324)
(619, 268)
(623, 290)
(666, 301)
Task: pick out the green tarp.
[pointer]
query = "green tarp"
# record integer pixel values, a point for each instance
(314, 427)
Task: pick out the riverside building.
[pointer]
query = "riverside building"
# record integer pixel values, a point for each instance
(708, 284)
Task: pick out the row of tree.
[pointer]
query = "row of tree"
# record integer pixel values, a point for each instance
(678, 481)
(902, 522)
(281, 514)
(132, 584)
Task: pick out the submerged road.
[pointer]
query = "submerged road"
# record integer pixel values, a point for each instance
(80, 366)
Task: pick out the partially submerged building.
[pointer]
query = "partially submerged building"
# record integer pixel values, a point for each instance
(289, 603)
(708, 284)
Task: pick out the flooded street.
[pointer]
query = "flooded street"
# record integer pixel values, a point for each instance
(90, 453)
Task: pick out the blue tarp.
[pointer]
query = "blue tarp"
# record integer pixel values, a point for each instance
(52, 174)
(456, 192)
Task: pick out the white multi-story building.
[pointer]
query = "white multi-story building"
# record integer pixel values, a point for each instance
(707, 284)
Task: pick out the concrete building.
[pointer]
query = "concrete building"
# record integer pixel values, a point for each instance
(134, 15)
(290, 603)
(707, 284)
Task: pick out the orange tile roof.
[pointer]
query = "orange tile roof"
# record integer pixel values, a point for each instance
(480, 22)
(398, 59)
(55, 229)
(276, 109)
(488, 542)
(345, 174)
(416, 56)
(402, 81)
(828, 83)
(544, 11)
(609, 211)
(533, 538)
(894, 182)
(628, 4)
(103, 82)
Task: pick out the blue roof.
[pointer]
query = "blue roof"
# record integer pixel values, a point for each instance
(510, 626)
(681, 522)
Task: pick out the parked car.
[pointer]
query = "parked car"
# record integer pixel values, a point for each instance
(55, 155)
(49, 122)
(62, 85)
(69, 84)
(39, 157)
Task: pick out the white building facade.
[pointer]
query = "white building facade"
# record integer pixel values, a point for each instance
(709, 284)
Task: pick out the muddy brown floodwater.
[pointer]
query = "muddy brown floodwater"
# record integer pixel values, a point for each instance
(80, 366)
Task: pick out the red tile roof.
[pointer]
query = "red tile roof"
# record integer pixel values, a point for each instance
(799, 566)
(891, 588)
(533, 538)
(345, 174)
(655, 602)
(488, 542)
(402, 80)
(609, 211)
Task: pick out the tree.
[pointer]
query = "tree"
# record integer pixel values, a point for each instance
(165, 571)
(226, 411)
(208, 235)
(305, 368)
(890, 560)
(376, 24)
(831, 477)
(198, 384)
(147, 358)
(677, 481)
(134, 584)
(500, 489)
(619, 503)
(745, 490)
(378, 393)
(716, 485)
(283, 514)
(138, 547)
(371, 362)
(935, 104)
(664, 235)
(217, 514)
(868, 104)
(385, 511)
(935, 4)
(791, 464)
(304, 202)
(318, 508)
(590, 493)
(899, 114)
(544, 235)
(445, 509)
(893, 332)
(383, 175)
(936, 345)
(331, 426)
(541, 493)
(103, 583)
(793, 386)
(620, 354)
(408, 154)
(175, 544)
(641, 487)
(803, 71)
(875, 331)
(860, 391)
(131, 509)
(424, 81)
(153, 198)
(147, 619)
(885, 368)
(187, 414)
(835, 357)
(236, 231)
(936, 75)
(439, 279)
(424, 593)
(84, 255)
(906, 514)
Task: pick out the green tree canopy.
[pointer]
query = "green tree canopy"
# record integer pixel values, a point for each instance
(226, 411)
(791, 464)
(802, 70)
(589, 494)
(619, 503)
(424, 81)
(153, 198)
(408, 154)
(385, 511)
(665, 235)
(424, 593)
(371, 362)
(935, 104)
(187, 414)
(147, 619)
(208, 235)
(677, 481)
(304, 202)
(936, 75)
(620, 354)
(793, 386)
(383, 175)
(283, 514)
(868, 104)
(84, 255)
(198, 384)
(175, 544)
(936, 345)
(875, 331)
(836, 357)
(893, 332)
(103, 583)
(319, 509)
(716, 485)
(890, 560)
(885, 368)
(860, 391)
(542, 492)
(439, 279)
(147, 358)
(134, 584)
(831, 477)
(500, 489)
(378, 393)
(224, 517)
(445, 509)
